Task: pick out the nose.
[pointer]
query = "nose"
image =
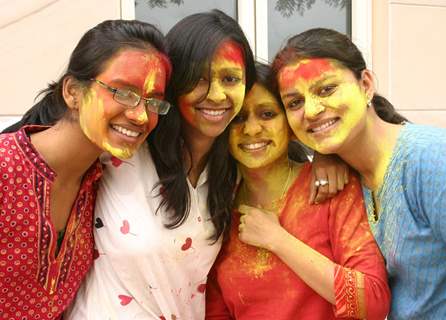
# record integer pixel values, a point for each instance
(313, 107)
(138, 115)
(251, 127)
(216, 92)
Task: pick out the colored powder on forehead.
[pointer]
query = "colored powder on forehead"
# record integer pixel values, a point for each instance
(231, 51)
(157, 70)
(306, 69)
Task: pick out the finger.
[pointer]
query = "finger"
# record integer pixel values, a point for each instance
(322, 194)
(332, 183)
(241, 226)
(346, 175)
(340, 181)
(313, 190)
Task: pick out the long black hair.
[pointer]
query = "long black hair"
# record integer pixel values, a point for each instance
(191, 45)
(327, 43)
(88, 59)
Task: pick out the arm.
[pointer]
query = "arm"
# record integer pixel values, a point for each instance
(358, 272)
(329, 168)
(215, 305)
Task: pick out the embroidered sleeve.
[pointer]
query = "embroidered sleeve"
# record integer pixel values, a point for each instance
(349, 293)
(361, 288)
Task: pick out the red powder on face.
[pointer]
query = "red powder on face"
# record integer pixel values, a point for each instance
(231, 51)
(306, 69)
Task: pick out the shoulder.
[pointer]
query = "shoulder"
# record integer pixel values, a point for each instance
(423, 150)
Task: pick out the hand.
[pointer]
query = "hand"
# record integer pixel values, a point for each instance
(329, 168)
(258, 227)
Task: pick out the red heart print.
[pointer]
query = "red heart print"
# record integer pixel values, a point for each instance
(125, 300)
(201, 288)
(116, 162)
(187, 244)
(95, 254)
(125, 228)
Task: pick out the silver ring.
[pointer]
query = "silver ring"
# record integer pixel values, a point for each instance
(321, 183)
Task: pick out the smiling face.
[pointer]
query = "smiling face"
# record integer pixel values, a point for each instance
(112, 126)
(259, 134)
(325, 104)
(218, 96)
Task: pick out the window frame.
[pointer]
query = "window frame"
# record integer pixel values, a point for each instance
(252, 15)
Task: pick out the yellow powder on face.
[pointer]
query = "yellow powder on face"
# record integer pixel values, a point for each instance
(348, 102)
(91, 116)
(121, 153)
(95, 126)
(149, 82)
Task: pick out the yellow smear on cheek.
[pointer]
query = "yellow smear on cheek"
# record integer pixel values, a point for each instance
(91, 117)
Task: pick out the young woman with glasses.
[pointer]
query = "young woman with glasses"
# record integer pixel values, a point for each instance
(108, 100)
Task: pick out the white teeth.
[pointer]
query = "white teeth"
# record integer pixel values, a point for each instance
(213, 113)
(324, 126)
(254, 146)
(125, 131)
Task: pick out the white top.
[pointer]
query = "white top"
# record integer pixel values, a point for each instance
(144, 270)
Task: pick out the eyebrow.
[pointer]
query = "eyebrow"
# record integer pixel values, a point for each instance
(318, 82)
(231, 70)
(135, 89)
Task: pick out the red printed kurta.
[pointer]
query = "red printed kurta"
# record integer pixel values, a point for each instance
(252, 283)
(34, 283)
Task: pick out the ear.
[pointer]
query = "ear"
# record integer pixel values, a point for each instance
(367, 83)
(72, 92)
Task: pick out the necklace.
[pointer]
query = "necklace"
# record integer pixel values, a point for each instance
(277, 203)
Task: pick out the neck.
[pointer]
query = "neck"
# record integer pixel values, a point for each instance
(66, 150)
(372, 150)
(195, 155)
(265, 187)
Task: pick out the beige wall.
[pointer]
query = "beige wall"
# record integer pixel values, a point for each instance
(409, 57)
(408, 50)
(37, 37)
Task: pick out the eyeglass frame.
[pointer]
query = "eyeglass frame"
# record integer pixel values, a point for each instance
(161, 107)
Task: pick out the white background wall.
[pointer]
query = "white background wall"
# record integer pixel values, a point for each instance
(37, 37)
(406, 39)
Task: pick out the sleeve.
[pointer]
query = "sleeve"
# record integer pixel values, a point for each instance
(215, 305)
(427, 181)
(361, 289)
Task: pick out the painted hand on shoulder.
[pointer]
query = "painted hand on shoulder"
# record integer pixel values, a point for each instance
(258, 227)
(329, 176)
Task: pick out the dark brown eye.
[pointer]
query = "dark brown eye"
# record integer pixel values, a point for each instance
(326, 91)
(295, 103)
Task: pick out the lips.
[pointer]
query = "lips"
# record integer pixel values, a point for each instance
(254, 146)
(126, 132)
(213, 114)
(323, 125)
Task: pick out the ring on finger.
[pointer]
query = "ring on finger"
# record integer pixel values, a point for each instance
(321, 183)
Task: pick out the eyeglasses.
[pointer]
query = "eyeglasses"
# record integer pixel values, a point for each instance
(130, 99)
